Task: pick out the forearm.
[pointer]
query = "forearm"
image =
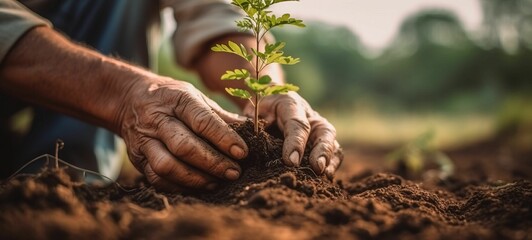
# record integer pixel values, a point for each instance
(212, 65)
(47, 69)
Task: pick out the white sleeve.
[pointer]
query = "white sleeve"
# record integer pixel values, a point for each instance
(15, 21)
(198, 22)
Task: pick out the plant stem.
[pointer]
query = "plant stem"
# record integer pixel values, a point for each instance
(257, 72)
(257, 96)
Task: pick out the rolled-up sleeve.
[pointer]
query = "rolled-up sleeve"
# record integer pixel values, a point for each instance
(15, 20)
(198, 22)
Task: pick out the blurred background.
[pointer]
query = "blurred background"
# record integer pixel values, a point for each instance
(387, 72)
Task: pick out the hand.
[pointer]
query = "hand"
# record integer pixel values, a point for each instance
(175, 135)
(299, 123)
(178, 137)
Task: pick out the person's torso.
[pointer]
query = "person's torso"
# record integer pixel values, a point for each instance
(119, 28)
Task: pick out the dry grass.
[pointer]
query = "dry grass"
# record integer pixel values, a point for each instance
(372, 128)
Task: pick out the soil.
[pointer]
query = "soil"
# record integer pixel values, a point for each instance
(485, 198)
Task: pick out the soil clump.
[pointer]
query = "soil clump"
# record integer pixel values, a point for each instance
(270, 201)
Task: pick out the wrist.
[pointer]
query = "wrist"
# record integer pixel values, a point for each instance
(45, 68)
(124, 85)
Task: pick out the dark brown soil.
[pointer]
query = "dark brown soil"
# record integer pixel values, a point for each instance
(271, 201)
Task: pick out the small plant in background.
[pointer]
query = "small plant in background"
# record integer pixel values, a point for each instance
(259, 21)
(416, 155)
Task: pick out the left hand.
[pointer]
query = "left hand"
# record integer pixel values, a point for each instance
(301, 124)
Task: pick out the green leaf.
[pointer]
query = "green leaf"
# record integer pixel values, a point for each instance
(266, 79)
(259, 20)
(237, 74)
(236, 92)
(245, 24)
(252, 5)
(273, 57)
(285, 19)
(242, 4)
(278, 1)
(280, 89)
(276, 47)
(414, 160)
(279, 58)
(287, 60)
(238, 49)
(254, 85)
(250, 10)
(233, 48)
(260, 55)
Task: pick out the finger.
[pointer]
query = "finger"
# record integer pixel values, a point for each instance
(322, 141)
(203, 121)
(188, 147)
(292, 120)
(319, 157)
(335, 162)
(249, 110)
(159, 183)
(168, 168)
(228, 117)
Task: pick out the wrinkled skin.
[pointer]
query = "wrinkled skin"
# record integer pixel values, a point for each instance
(175, 135)
(168, 126)
(180, 139)
(300, 124)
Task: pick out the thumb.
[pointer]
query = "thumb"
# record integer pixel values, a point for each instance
(227, 116)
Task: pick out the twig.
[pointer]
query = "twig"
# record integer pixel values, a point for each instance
(307, 168)
(164, 199)
(58, 160)
(59, 144)
(273, 162)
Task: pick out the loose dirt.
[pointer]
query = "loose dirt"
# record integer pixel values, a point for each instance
(271, 201)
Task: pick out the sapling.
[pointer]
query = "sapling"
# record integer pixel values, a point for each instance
(259, 21)
(416, 155)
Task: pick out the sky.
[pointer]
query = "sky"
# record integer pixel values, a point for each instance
(377, 21)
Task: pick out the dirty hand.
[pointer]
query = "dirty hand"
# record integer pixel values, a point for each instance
(299, 124)
(178, 137)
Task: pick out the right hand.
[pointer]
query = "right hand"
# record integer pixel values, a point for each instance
(177, 137)
(301, 125)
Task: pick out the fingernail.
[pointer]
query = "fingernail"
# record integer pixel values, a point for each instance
(212, 186)
(321, 163)
(237, 151)
(294, 158)
(231, 174)
(242, 118)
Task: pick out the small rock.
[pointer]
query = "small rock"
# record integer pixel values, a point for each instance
(288, 179)
(308, 189)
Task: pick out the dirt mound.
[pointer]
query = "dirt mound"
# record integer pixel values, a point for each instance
(269, 201)
(382, 206)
